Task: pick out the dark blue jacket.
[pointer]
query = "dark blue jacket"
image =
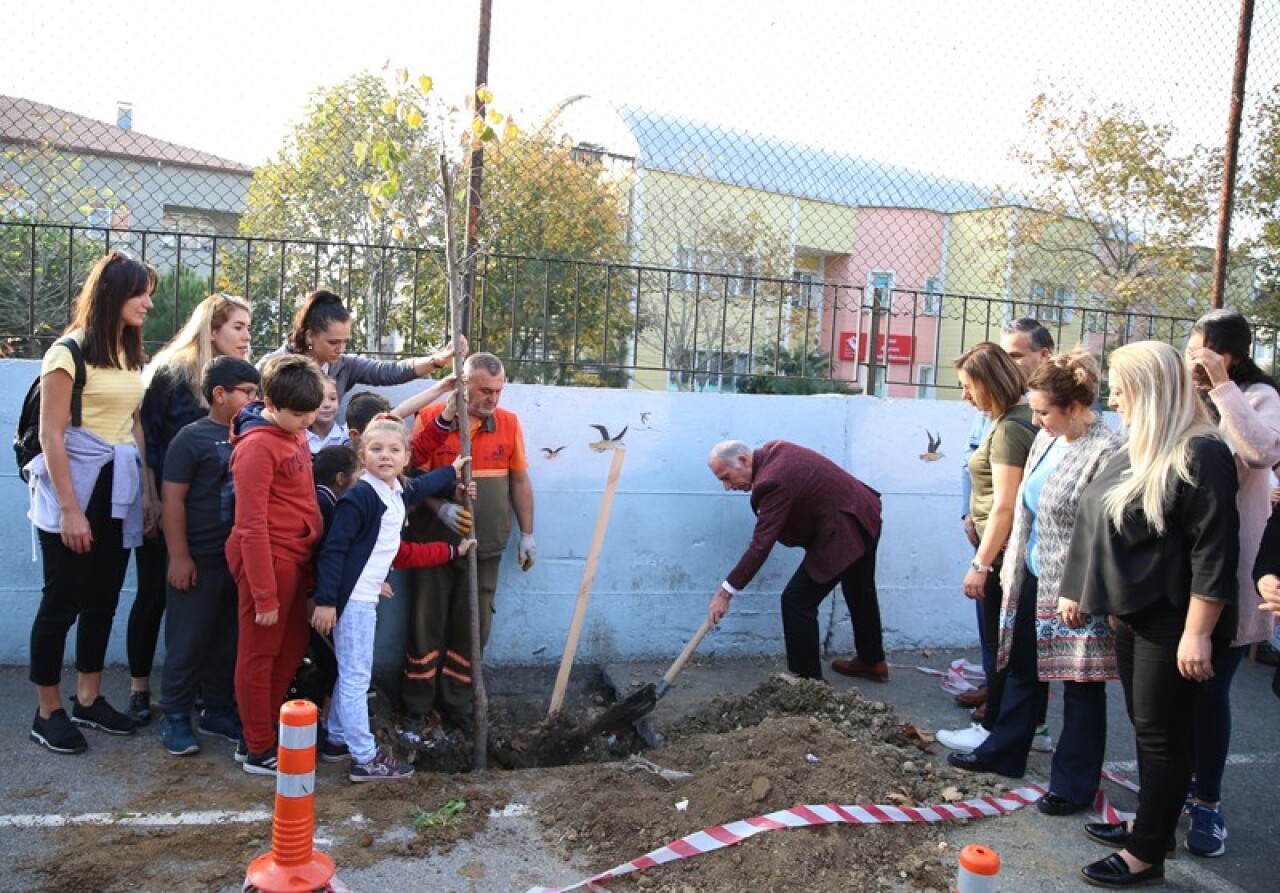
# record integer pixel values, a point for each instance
(352, 534)
(168, 406)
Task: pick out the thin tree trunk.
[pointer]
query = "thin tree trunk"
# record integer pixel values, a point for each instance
(458, 300)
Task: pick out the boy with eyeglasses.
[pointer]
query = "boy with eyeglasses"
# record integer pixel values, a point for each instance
(200, 597)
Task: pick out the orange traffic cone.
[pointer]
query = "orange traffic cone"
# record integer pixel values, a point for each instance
(293, 865)
(979, 870)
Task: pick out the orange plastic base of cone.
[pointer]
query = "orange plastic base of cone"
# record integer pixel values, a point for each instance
(267, 875)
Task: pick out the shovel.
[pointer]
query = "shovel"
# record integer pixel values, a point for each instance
(640, 702)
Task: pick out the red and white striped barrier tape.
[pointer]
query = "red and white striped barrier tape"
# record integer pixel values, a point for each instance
(721, 836)
(955, 679)
(1102, 803)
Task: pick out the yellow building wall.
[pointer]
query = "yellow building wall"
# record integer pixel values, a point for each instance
(790, 234)
(678, 210)
(994, 257)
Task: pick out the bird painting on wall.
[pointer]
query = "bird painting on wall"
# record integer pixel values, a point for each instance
(935, 443)
(644, 422)
(606, 442)
(551, 452)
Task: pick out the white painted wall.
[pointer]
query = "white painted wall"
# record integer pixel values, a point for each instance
(674, 533)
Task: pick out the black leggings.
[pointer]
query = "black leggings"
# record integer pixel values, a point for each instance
(145, 617)
(79, 588)
(1162, 705)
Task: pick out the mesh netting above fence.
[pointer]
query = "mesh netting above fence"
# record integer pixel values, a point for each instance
(660, 221)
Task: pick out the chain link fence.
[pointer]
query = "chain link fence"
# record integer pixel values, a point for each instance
(759, 199)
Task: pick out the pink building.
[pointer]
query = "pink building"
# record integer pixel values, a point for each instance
(896, 265)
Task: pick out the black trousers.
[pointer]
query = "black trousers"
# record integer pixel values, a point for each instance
(80, 589)
(200, 633)
(1022, 695)
(992, 593)
(1162, 705)
(800, 601)
(151, 561)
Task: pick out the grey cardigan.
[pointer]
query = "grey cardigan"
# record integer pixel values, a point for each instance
(349, 371)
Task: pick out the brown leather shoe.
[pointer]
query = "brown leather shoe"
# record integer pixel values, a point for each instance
(854, 666)
(971, 699)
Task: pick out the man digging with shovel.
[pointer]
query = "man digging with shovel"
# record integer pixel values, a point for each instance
(802, 498)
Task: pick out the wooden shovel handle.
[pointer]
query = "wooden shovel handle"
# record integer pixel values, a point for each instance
(588, 577)
(692, 646)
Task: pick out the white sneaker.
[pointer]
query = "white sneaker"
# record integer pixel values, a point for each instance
(1042, 741)
(963, 740)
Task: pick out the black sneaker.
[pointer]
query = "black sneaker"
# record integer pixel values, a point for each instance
(102, 716)
(260, 763)
(332, 751)
(140, 707)
(57, 733)
(242, 751)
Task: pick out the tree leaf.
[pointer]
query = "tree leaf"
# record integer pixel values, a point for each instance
(425, 84)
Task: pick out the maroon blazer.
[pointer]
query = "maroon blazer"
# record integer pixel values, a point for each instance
(802, 498)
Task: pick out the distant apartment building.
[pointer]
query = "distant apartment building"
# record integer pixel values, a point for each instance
(62, 167)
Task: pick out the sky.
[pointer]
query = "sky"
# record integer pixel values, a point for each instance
(938, 85)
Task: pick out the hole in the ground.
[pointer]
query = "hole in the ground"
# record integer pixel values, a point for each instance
(520, 734)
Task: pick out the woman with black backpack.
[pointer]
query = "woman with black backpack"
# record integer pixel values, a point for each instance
(91, 497)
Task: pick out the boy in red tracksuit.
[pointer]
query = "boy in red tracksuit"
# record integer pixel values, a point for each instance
(277, 526)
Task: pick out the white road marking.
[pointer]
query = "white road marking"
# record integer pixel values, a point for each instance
(1235, 759)
(205, 817)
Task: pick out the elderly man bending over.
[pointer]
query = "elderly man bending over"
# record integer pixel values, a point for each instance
(802, 498)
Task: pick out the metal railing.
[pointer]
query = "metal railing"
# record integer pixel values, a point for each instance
(564, 321)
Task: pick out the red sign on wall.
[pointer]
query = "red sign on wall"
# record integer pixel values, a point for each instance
(901, 348)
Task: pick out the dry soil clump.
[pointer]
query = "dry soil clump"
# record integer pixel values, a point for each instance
(789, 742)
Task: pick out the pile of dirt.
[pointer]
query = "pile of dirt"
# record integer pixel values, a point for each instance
(790, 742)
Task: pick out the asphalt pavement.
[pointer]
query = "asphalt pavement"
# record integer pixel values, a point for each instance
(1038, 853)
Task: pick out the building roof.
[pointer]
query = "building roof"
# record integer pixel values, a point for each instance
(698, 149)
(32, 123)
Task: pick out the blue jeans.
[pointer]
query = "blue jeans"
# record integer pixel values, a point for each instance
(1213, 726)
(349, 712)
(1082, 743)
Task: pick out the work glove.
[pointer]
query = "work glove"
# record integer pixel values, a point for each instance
(527, 552)
(455, 517)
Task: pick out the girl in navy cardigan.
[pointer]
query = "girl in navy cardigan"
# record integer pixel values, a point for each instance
(361, 544)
